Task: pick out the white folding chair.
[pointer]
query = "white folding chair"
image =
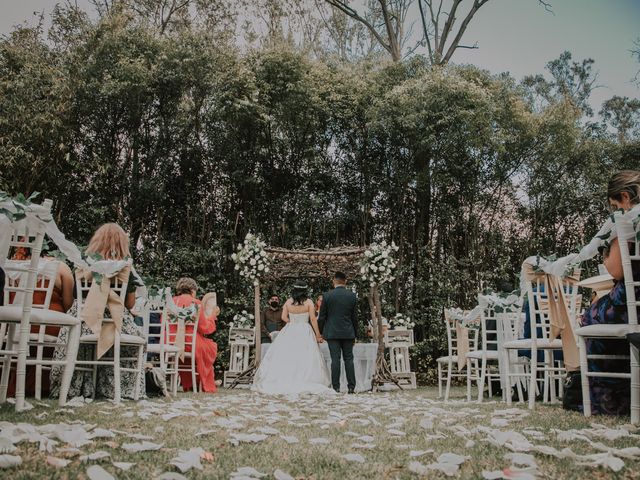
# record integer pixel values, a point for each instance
(159, 352)
(483, 372)
(509, 327)
(172, 312)
(119, 287)
(23, 278)
(446, 374)
(540, 330)
(628, 235)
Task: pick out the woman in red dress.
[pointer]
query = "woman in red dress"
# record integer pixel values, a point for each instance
(206, 349)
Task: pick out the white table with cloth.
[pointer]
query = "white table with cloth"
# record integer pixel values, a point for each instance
(364, 362)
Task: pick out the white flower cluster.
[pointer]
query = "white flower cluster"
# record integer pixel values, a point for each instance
(243, 320)
(251, 259)
(401, 321)
(378, 265)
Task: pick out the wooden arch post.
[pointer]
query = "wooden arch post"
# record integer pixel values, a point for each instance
(383, 373)
(258, 327)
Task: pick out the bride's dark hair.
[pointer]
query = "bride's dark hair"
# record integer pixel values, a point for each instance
(299, 293)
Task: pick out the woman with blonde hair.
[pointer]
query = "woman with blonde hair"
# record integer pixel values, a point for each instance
(109, 242)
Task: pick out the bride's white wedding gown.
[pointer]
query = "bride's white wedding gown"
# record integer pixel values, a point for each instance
(293, 364)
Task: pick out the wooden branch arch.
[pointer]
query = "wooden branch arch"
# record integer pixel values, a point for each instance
(317, 263)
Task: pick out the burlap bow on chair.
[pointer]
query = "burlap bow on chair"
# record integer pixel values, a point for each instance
(99, 299)
(559, 315)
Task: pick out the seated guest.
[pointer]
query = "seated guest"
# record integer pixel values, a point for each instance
(109, 242)
(318, 305)
(271, 319)
(609, 395)
(61, 301)
(206, 349)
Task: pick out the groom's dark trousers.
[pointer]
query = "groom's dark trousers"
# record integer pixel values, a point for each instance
(344, 347)
(338, 315)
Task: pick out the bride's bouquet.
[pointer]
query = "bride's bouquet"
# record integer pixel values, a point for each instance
(401, 321)
(251, 259)
(243, 320)
(378, 264)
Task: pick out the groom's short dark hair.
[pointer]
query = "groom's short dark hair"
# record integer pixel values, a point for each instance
(340, 276)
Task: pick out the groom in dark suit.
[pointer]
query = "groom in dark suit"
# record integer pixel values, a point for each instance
(338, 316)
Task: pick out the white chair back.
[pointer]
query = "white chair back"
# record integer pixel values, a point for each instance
(83, 285)
(16, 272)
(538, 305)
(629, 240)
(452, 335)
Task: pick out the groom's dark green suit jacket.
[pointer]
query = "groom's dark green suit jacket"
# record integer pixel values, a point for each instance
(338, 318)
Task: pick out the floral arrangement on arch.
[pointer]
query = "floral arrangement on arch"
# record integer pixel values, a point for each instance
(251, 259)
(402, 321)
(243, 320)
(379, 264)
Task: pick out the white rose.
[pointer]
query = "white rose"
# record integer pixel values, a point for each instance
(261, 267)
(252, 262)
(381, 268)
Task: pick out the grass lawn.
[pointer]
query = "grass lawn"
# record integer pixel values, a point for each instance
(398, 435)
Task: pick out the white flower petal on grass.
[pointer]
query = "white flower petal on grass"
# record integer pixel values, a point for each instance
(6, 445)
(99, 455)
(280, 475)
(289, 439)
(470, 444)
(57, 462)
(188, 459)
(141, 447)
(364, 446)
(236, 438)
(171, 476)
(419, 453)
(452, 458)
(8, 461)
(523, 459)
(247, 472)
(511, 473)
(426, 423)
(319, 441)
(101, 433)
(418, 468)
(96, 472)
(397, 433)
(124, 466)
(354, 457)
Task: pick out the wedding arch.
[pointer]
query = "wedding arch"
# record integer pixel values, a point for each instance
(311, 263)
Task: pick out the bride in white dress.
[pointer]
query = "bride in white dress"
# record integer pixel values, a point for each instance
(294, 364)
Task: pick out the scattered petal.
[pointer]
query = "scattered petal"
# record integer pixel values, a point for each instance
(96, 472)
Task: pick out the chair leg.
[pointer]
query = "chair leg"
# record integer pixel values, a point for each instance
(635, 385)
(21, 367)
(6, 365)
(584, 378)
(139, 371)
(507, 367)
(533, 378)
(117, 395)
(468, 379)
(73, 343)
(439, 380)
(483, 378)
(448, 387)
(193, 373)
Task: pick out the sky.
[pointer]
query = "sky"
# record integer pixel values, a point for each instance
(516, 36)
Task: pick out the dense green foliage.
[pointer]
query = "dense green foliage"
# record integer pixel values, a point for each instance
(190, 143)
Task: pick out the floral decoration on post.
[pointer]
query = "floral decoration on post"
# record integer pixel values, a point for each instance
(243, 320)
(402, 322)
(251, 259)
(378, 264)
